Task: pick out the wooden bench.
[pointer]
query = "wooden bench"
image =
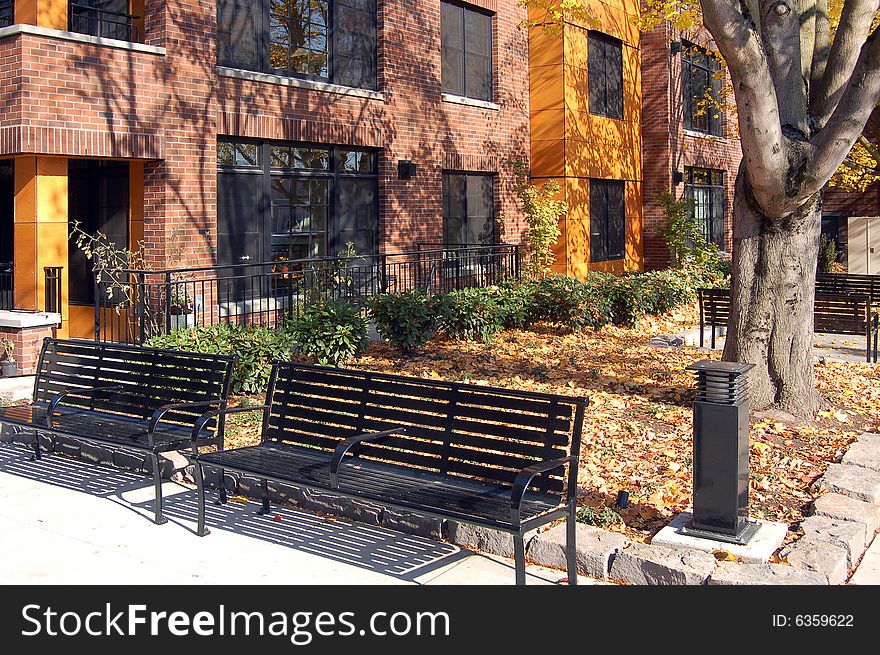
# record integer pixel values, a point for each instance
(833, 313)
(126, 396)
(492, 457)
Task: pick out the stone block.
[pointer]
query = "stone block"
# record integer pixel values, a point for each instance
(644, 564)
(844, 508)
(820, 556)
(846, 534)
(95, 453)
(736, 573)
(130, 460)
(67, 446)
(410, 523)
(595, 548)
(853, 481)
(483, 539)
(864, 452)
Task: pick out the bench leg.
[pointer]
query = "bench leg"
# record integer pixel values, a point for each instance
(201, 530)
(37, 452)
(519, 558)
(221, 487)
(157, 482)
(265, 509)
(571, 545)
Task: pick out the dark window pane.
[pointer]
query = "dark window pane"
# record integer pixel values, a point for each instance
(703, 111)
(706, 188)
(466, 52)
(355, 45)
(238, 34)
(452, 48)
(605, 75)
(614, 79)
(596, 73)
(607, 220)
(468, 209)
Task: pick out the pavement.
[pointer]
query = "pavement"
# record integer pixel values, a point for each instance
(64, 521)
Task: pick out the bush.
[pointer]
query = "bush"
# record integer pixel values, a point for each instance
(255, 346)
(827, 253)
(469, 314)
(561, 300)
(516, 301)
(329, 332)
(407, 319)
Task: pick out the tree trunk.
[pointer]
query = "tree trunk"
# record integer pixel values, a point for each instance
(772, 293)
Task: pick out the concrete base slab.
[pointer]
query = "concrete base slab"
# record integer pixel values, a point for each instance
(13, 389)
(765, 541)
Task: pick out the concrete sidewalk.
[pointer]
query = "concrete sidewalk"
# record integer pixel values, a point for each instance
(63, 521)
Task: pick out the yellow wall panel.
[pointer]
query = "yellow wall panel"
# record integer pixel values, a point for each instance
(52, 13)
(26, 12)
(548, 124)
(545, 47)
(52, 190)
(547, 86)
(25, 272)
(548, 158)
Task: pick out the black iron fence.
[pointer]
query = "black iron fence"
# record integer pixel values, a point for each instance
(133, 305)
(7, 13)
(7, 284)
(96, 21)
(52, 288)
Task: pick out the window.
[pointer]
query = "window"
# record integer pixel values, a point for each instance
(705, 186)
(468, 209)
(466, 44)
(98, 198)
(111, 19)
(607, 220)
(283, 201)
(702, 91)
(7, 13)
(605, 74)
(326, 40)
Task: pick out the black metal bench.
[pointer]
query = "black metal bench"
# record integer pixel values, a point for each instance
(125, 396)
(492, 457)
(849, 283)
(833, 313)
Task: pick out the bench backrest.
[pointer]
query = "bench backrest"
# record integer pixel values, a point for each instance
(842, 313)
(714, 305)
(456, 429)
(150, 378)
(838, 283)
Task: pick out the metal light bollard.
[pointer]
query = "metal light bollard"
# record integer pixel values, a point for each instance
(721, 453)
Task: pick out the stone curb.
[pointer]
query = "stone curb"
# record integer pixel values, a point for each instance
(644, 564)
(735, 573)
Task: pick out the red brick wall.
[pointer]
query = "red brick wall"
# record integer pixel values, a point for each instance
(28, 342)
(65, 98)
(667, 147)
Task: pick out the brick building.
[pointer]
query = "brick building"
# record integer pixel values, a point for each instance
(240, 130)
(690, 147)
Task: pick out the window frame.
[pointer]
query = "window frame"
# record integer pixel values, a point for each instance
(334, 172)
(713, 187)
(463, 10)
(692, 57)
(463, 228)
(263, 47)
(600, 42)
(605, 254)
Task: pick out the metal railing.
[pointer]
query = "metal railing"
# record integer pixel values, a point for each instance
(53, 288)
(7, 285)
(86, 19)
(132, 306)
(7, 13)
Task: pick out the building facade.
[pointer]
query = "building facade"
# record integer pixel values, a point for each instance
(218, 132)
(690, 144)
(586, 121)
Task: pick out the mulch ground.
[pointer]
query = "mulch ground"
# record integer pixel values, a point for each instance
(638, 430)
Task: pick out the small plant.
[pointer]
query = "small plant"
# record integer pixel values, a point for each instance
(329, 332)
(601, 517)
(407, 319)
(542, 212)
(469, 314)
(827, 254)
(683, 234)
(7, 346)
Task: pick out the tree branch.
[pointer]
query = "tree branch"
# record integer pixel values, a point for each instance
(855, 24)
(858, 99)
(760, 128)
(788, 37)
(821, 48)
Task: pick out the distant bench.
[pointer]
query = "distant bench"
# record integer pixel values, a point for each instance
(849, 283)
(833, 313)
(493, 457)
(126, 396)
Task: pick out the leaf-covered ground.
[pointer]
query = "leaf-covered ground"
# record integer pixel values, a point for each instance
(638, 432)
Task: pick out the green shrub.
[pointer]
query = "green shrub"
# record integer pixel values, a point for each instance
(516, 300)
(407, 319)
(329, 332)
(469, 314)
(255, 346)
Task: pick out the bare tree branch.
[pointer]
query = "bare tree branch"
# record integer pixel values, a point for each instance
(846, 124)
(760, 127)
(855, 24)
(821, 48)
(788, 36)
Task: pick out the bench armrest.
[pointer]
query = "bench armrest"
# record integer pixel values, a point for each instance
(164, 409)
(524, 479)
(343, 448)
(90, 391)
(203, 420)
